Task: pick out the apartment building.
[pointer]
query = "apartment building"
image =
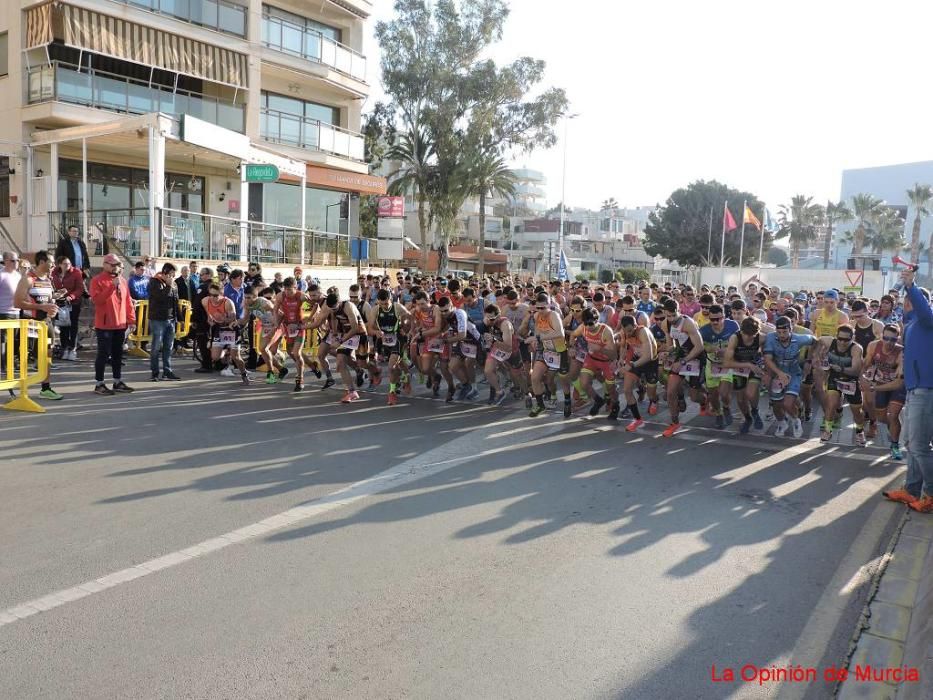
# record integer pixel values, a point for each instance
(152, 125)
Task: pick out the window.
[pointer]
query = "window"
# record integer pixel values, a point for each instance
(4, 187)
(300, 108)
(4, 53)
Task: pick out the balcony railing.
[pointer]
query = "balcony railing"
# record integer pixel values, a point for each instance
(192, 235)
(219, 15)
(312, 45)
(64, 82)
(292, 130)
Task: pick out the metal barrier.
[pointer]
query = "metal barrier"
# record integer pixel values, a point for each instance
(141, 333)
(16, 375)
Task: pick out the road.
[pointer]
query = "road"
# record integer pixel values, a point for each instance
(204, 540)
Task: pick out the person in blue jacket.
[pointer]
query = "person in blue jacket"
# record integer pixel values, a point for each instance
(918, 380)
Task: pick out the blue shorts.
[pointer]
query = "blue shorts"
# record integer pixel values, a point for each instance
(884, 398)
(792, 389)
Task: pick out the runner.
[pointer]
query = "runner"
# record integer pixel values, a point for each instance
(885, 374)
(503, 352)
(550, 352)
(867, 331)
(841, 359)
(260, 304)
(685, 357)
(744, 356)
(715, 336)
(782, 352)
(463, 340)
(225, 329)
(600, 362)
(344, 330)
(388, 323)
(288, 305)
(35, 297)
(640, 364)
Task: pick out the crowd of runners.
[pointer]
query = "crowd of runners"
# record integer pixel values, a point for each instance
(609, 348)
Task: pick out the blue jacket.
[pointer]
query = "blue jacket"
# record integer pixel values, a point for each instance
(918, 342)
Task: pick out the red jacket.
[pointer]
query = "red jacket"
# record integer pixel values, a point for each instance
(113, 306)
(73, 283)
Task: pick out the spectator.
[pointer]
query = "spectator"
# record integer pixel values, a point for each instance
(9, 280)
(139, 282)
(918, 380)
(35, 297)
(193, 281)
(300, 283)
(71, 281)
(74, 249)
(163, 314)
(234, 291)
(150, 265)
(182, 284)
(254, 277)
(113, 314)
(277, 283)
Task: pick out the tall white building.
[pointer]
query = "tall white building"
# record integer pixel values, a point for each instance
(137, 121)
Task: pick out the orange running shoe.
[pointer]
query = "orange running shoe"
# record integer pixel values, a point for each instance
(923, 505)
(653, 408)
(635, 425)
(350, 396)
(901, 496)
(393, 399)
(705, 411)
(671, 429)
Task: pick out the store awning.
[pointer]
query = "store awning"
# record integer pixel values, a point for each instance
(110, 36)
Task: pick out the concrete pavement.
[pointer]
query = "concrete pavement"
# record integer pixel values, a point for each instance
(432, 549)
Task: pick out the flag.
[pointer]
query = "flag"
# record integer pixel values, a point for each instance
(562, 267)
(769, 221)
(750, 218)
(728, 223)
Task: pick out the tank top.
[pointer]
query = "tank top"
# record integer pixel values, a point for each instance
(41, 291)
(680, 337)
(496, 329)
(341, 318)
(425, 319)
(836, 356)
(863, 336)
(217, 312)
(543, 323)
(885, 364)
(595, 344)
(291, 308)
(387, 320)
(750, 353)
(827, 325)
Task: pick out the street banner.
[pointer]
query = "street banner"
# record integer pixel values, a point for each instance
(563, 268)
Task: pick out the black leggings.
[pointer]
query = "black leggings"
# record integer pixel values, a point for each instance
(109, 349)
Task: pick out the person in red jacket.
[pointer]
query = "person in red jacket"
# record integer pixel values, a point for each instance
(68, 279)
(113, 314)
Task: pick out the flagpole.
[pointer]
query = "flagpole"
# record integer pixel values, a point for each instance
(761, 229)
(742, 239)
(709, 243)
(722, 247)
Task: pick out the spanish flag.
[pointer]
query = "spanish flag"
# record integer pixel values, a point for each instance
(750, 218)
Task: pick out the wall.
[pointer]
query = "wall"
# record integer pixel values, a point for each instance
(793, 280)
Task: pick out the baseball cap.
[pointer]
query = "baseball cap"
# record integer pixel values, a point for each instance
(800, 297)
(112, 259)
(782, 322)
(831, 294)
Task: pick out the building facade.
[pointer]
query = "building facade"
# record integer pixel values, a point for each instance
(137, 120)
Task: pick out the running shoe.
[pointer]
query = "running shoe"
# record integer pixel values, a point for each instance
(155, 378)
(407, 388)
(900, 495)
(529, 401)
(227, 372)
(746, 426)
(245, 378)
(756, 417)
(727, 418)
(316, 371)
(170, 376)
(580, 403)
(51, 394)
(797, 427)
(328, 383)
(871, 430)
(781, 429)
(896, 452)
(704, 410)
(568, 407)
(393, 398)
(463, 391)
(826, 434)
(671, 429)
(271, 378)
(349, 397)
(283, 373)
(634, 425)
(598, 403)
(122, 388)
(652, 408)
(614, 412)
(807, 415)
(450, 396)
(500, 399)
(860, 438)
(626, 413)
(923, 505)
(472, 395)
(103, 390)
(298, 387)
(359, 377)
(720, 424)
(536, 410)
(492, 397)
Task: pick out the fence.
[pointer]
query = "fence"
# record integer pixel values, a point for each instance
(16, 375)
(143, 334)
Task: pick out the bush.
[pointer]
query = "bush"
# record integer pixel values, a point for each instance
(605, 276)
(632, 275)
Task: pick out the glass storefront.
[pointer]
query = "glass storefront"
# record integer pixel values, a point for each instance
(281, 204)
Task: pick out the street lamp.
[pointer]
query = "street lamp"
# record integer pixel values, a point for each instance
(563, 191)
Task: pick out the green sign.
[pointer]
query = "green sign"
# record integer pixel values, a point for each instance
(857, 290)
(260, 172)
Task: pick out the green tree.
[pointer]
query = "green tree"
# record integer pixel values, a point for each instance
(379, 135)
(777, 256)
(632, 275)
(865, 208)
(886, 232)
(835, 213)
(920, 197)
(414, 152)
(798, 222)
(487, 174)
(679, 230)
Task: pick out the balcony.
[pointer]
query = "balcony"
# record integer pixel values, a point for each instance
(528, 175)
(219, 15)
(310, 134)
(289, 38)
(529, 190)
(63, 82)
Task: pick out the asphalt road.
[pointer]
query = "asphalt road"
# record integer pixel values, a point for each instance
(203, 540)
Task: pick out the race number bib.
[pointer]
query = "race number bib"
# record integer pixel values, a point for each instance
(331, 339)
(720, 371)
(679, 336)
(435, 345)
(741, 372)
(227, 337)
(871, 374)
(690, 369)
(777, 386)
(501, 355)
(552, 359)
(389, 340)
(580, 355)
(847, 388)
(351, 343)
(293, 330)
(468, 350)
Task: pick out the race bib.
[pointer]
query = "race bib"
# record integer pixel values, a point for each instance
(293, 330)
(501, 355)
(580, 355)
(435, 345)
(847, 388)
(487, 340)
(720, 371)
(227, 337)
(777, 386)
(690, 369)
(871, 374)
(32, 331)
(741, 372)
(552, 359)
(351, 343)
(331, 339)
(389, 340)
(679, 336)
(468, 350)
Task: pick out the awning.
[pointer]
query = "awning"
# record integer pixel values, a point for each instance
(103, 34)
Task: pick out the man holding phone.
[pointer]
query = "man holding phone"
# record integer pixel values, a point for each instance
(113, 314)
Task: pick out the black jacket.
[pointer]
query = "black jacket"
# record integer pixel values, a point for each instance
(198, 314)
(163, 300)
(65, 248)
(184, 290)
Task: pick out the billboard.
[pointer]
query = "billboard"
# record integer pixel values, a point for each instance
(390, 207)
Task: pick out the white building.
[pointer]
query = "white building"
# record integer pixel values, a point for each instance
(136, 119)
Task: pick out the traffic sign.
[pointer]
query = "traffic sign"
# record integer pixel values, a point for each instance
(857, 290)
(855, 277)
(261, 172)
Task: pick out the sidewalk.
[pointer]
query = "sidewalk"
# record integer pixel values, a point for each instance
(898, 627)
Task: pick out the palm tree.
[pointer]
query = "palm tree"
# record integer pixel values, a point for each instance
(865, 207)
(798, 221)
(836, 213)
(920, 197)
(886, 232)
(414, 152)
(488, 174)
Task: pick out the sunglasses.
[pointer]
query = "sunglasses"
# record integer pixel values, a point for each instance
(889, 338)
(715, 319)
(541, 308)
(576, 311)
(844, 338)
